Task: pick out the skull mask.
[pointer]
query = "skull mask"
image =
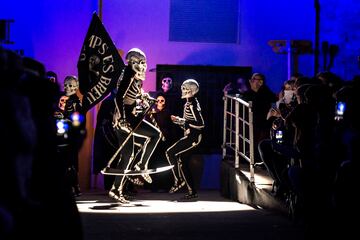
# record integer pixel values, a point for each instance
(160, 104)
(71, 85)
(62, 102)
(137, 60)
(189, 88)
(166, 84)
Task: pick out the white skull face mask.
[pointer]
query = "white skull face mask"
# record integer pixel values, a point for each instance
(160, 104)
(71, 85)
(189, 88)
(62, 102)
(166, 84)
(137, 60)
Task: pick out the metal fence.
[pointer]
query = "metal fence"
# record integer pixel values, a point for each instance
(238, 132)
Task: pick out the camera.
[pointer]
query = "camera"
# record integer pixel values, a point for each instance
(70, 130)
(279, 136)
(339, 110)
(62, 126)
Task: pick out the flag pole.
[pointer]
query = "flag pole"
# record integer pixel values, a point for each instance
(94, 182)
(100, 9)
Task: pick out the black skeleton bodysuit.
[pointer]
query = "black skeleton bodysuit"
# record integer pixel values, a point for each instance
(129, 91)
(179, 153)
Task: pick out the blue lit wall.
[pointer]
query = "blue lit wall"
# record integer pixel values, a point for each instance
(340, 24)
(49, 31)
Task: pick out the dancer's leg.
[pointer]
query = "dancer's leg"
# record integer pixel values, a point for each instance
(173, 153)
(124, 163)
(152, 137)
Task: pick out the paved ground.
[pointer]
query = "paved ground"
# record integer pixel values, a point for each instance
(161, 216)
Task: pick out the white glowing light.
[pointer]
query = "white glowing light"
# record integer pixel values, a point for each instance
(60, 127)
(161, 206)
(75, 116)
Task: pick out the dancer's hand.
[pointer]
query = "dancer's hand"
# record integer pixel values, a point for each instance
(124, 125)
(173, 118)
(178, 120)
(147, 98)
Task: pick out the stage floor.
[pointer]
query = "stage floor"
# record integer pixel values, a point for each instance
(159, 202)
(161, 215)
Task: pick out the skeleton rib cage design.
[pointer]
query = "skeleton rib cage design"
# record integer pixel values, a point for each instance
(129, 91)
(132, 93)
(125, 116)
(192, 115)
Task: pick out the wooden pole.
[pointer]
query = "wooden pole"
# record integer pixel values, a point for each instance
(85, 154)
(100, 9)
(97, 107)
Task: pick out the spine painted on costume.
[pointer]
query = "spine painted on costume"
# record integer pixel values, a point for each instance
(123, 89)
(124, 86)
(192, 115)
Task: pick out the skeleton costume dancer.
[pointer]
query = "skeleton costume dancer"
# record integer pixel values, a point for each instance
(127, 121)
(68, 147)
(193, 124)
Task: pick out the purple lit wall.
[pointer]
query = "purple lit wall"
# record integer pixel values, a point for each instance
(53, 31)
(146, 25)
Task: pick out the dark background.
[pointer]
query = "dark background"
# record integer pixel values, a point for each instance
(212, 80)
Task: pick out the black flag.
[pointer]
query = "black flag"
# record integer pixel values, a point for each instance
(99, 65)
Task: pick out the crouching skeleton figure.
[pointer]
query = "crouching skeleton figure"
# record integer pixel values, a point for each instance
(179, 154)
(128, 122)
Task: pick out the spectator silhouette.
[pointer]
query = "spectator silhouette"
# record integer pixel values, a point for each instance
(262, 97)
(348, 142)
(276, 152)
(38, 201)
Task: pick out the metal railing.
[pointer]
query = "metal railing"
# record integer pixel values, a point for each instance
(238, 132)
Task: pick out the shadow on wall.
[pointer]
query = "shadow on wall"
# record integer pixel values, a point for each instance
(211, 171)
(206, 171)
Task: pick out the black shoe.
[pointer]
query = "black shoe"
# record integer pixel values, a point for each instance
(76, 191)
(128, 197)
(177, 186)
(145, 176)
(189, 197)
(114, 194)
(135, 180)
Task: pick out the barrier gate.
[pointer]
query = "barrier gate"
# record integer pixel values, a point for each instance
(238, 132)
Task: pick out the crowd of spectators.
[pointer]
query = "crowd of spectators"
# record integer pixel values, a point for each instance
(36, 200)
